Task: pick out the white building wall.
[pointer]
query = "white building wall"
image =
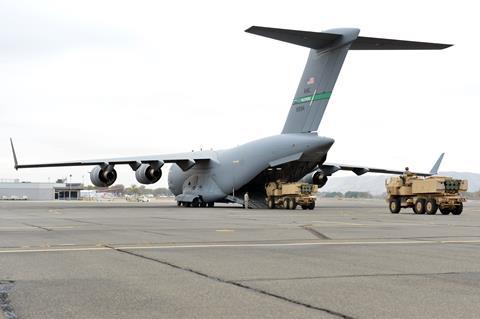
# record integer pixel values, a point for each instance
(34, 191)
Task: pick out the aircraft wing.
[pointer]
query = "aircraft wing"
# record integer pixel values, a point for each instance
(360, 170)
(184, 160)
(329, 169)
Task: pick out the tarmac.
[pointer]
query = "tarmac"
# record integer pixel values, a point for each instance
(345, 259)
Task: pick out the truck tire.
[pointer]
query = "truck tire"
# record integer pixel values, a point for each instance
(458, 209)
(286, 203)
(292, 204)
(445, 211)
(304, 207)
(394, 205)
(419, 207)
(271, 203)
(311, 206)
(431, 206)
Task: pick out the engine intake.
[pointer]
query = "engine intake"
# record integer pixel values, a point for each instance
(146, 174)
(103, 176)
(317, 178)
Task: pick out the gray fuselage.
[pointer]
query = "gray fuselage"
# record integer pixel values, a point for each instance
(251, 165)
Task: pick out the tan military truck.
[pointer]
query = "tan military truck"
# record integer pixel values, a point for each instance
(289, 195)
(426, 194)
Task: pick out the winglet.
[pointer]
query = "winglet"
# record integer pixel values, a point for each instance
(14, 155)
(436, 166)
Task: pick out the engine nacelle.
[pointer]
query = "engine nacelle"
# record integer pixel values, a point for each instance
(103, 176)
(146, 174)
(318, 178)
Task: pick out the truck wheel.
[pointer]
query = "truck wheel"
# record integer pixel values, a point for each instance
(292, 204)
(286, 203)
(304, 207)
(394, 205)
(419, 207)
(458, 209)
(311, 206)
(444, 211)
(211, 204)
(271, 203)
(431, 207)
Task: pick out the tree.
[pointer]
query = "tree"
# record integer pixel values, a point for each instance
(162, 191)
(332, 195)
(351, 194)
(132, 190)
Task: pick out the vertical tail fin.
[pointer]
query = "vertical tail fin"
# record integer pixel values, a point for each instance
(436, 166)
(328, 51)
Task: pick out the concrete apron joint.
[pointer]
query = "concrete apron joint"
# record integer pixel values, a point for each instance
(315, 232)
(6, 310)
(233, 283)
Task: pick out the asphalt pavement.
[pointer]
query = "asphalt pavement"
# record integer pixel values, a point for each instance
(345, 259)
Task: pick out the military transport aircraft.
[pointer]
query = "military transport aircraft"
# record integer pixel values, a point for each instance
(298, 153)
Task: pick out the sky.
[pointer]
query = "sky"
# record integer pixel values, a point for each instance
(98, 79)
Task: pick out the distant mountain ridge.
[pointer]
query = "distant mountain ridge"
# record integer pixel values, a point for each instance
(375, 183)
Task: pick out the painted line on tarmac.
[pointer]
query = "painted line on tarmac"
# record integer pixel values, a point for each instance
(323, 243)
(337, 223)
(13, 228)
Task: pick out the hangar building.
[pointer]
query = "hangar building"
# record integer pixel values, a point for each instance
(13, 189)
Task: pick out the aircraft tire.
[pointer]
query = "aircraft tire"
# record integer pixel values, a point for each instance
(195, 202)
(179, 203)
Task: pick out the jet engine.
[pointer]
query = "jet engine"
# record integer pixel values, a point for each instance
(103, 176)
(317, 178)
(146, 174)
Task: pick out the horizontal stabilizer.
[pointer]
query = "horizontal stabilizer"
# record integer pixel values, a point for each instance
(313, 40)
(320, 40)
(366, 43)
